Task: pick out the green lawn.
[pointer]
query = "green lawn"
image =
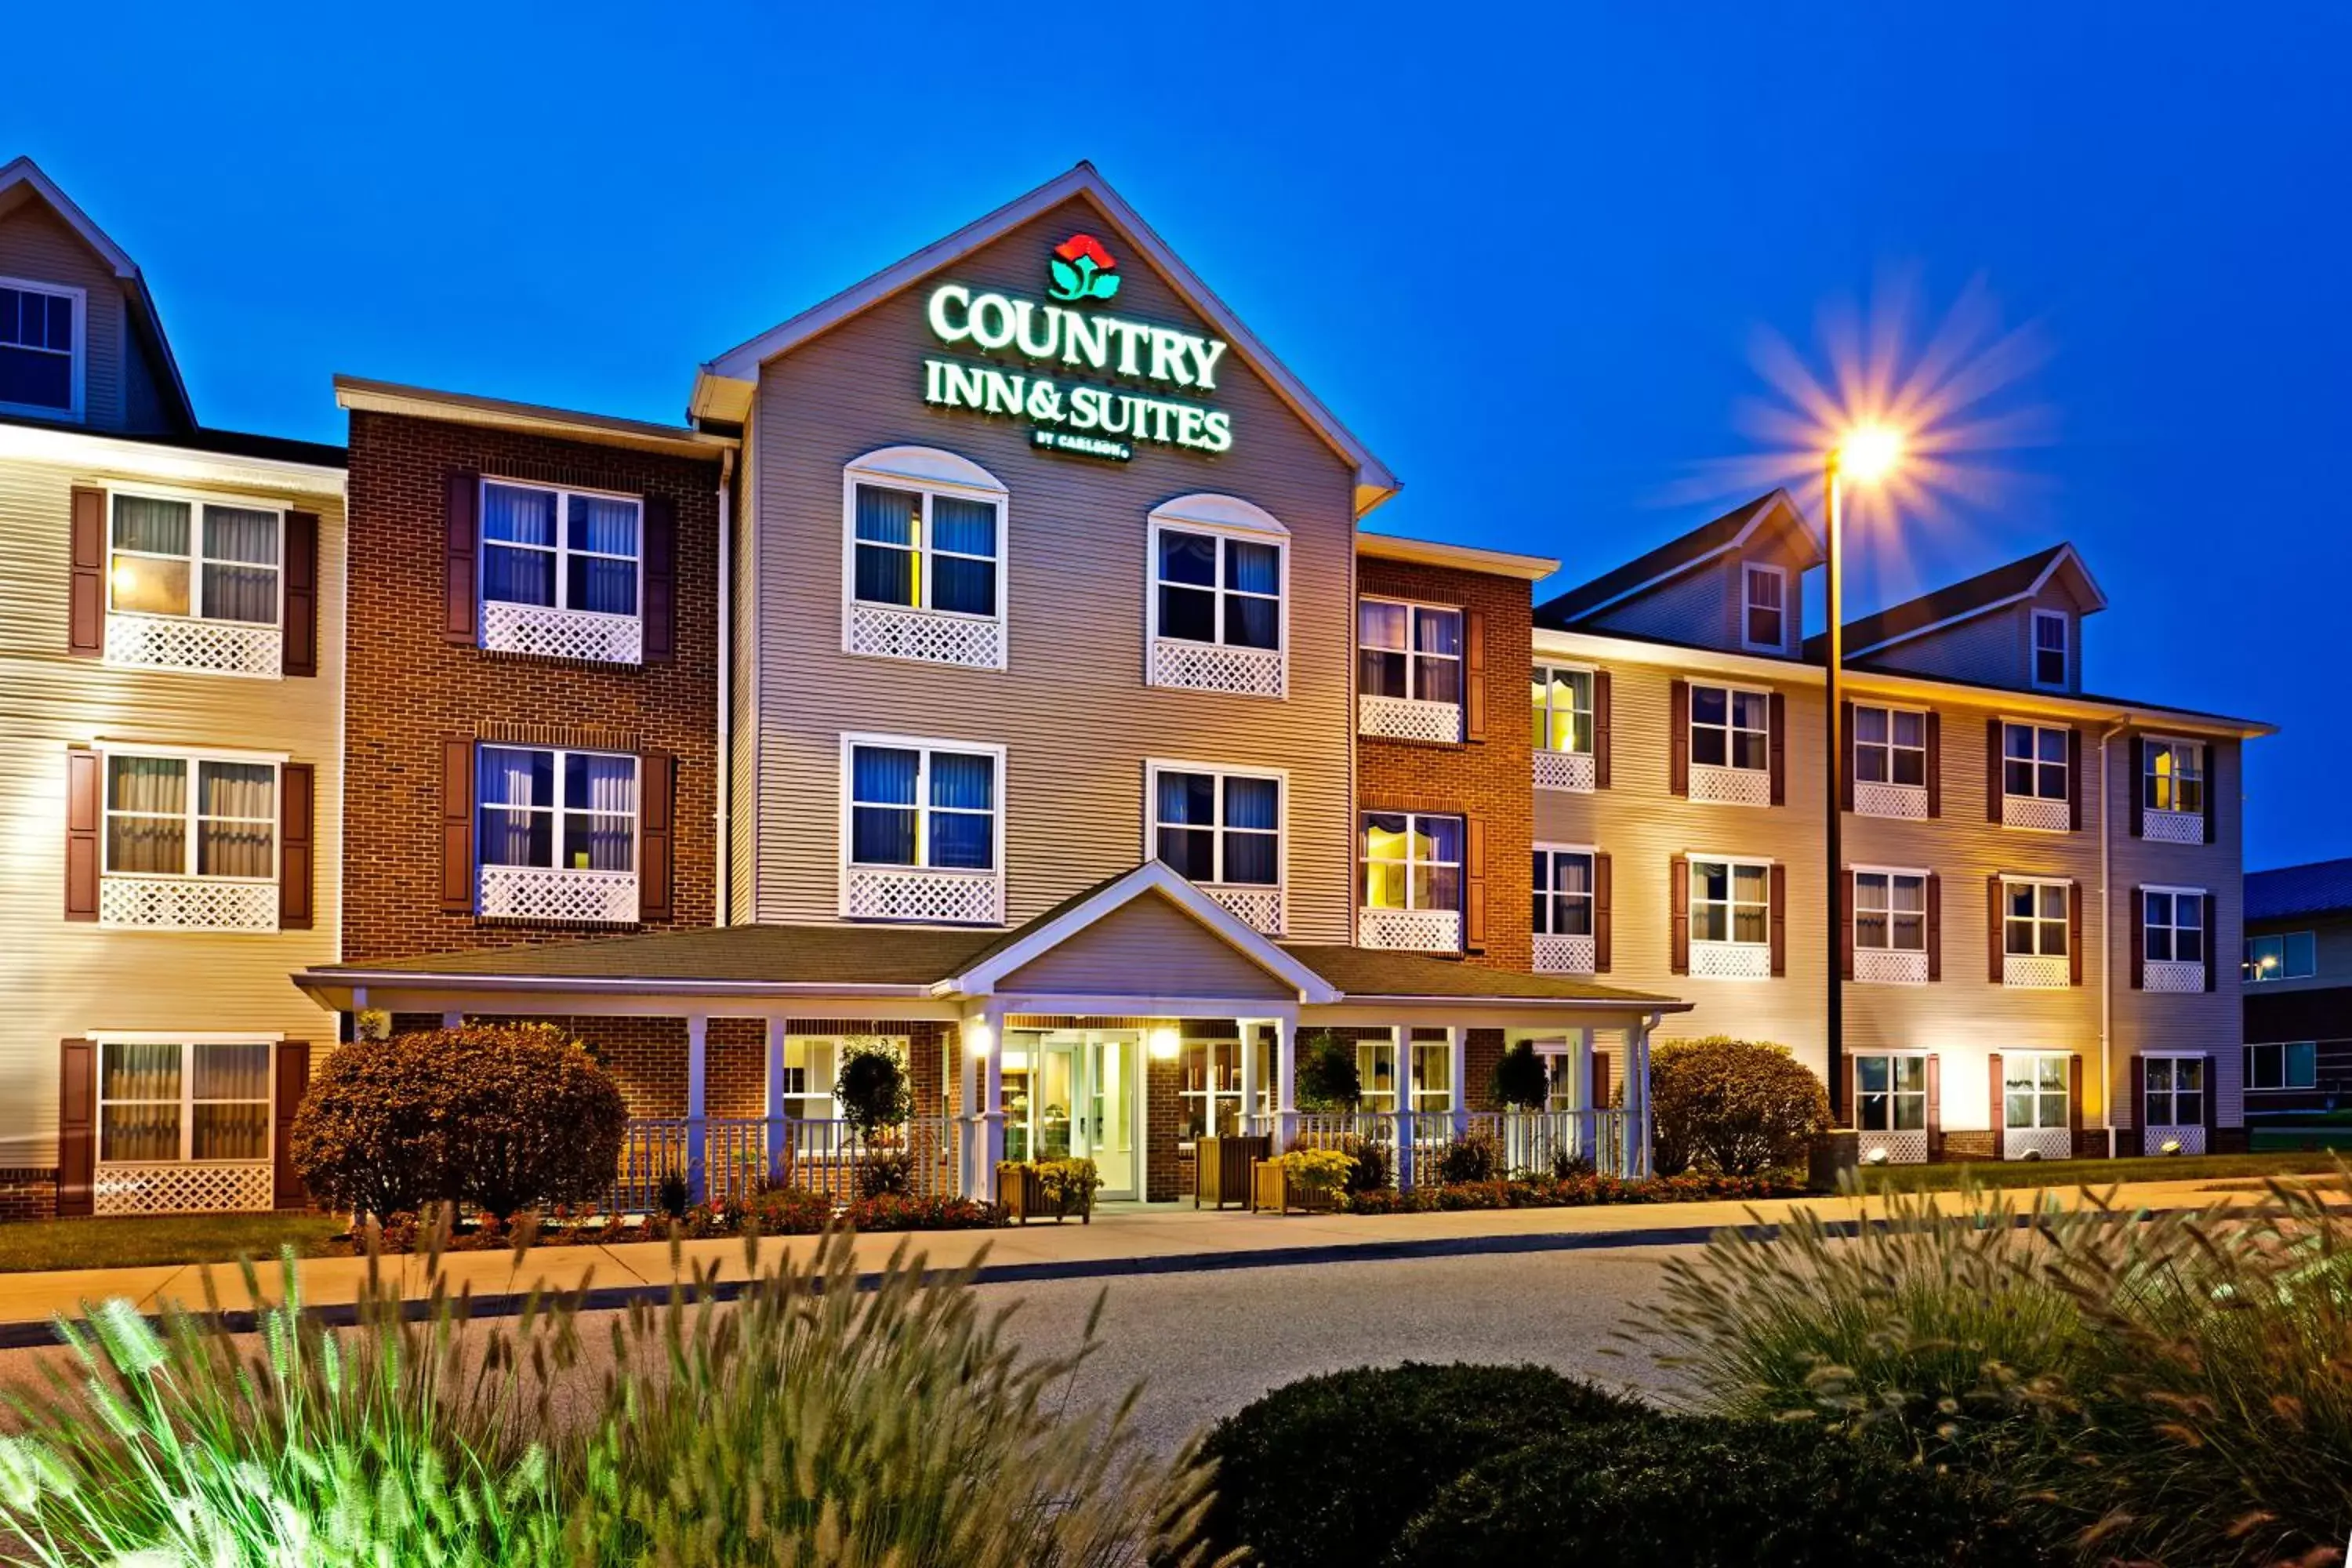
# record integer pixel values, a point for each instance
(2088, 1172)
(130, 1242)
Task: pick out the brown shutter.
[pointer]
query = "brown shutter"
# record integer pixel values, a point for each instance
(1600, 731)
(460, 544)
(1935, 928)
(1776, 746)
(458, 826)
(2074, 1104)
(297, 803)
(1845, 758)
(1993, 770)
(1600, 1079)
(2212, 789)
(2074, 933)
(1993, 932)
(2138, 786)
(2205, 1101)
(85, 814)
(1678, 739)
(1846, 923)
(1473, 675)
(2000, 1118)
(2212, 913)
(293, 1083)
(1935, 1107)
(76, 1125)
(656, 840)
(1779, 920)
(2138, 939)
(86, 583)
(1603, 892)
(2136, 1074)
(1935, 764)
(1474, 884)
(1678, 924)
(2074, 780)
(300, 641)
(660, 607)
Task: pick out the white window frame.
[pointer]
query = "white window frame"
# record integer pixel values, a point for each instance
(2252, 971)
(2065, 1090)
(1895, 1096)
(1888, 876)
(561, 550)
(190, 819)
(1731, 904)
(2063, 920)
(1413, 657)
(1220, 772)
(1548, 669)
(2173, 1092)
(1751, 572)
(1550, 890)
(2149, 929)
(2281, 1048)
(1889, 746)
(1225, 534)
(1432, 1099)
(1218, 1057)
(557, 811)
(80, 297)
(2064, 764)
(1731, 727)
(1365, 861)
(1226, 668)
(196, 501)
(2151, 747)
(187, 1101)
(922, 808)
(2066, 649)
(931, 472)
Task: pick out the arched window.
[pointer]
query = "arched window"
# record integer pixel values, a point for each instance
(923, 558)
(1219, 607)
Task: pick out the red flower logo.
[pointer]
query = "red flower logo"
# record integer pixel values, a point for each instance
(1087, 246)
(1082, 269)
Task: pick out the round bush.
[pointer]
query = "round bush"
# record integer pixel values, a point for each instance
(1327, 1470)
(1712, 1494)
(1522, 1081)
(872, 1089)
(1326, 1076)
(1736, 1106)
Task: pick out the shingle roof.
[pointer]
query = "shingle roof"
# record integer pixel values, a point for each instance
(1673, 556)
(227, 443)
(2322, 888)
(1966, 597)
(1367, 973)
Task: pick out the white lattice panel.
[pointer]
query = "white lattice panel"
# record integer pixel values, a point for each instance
(1890, 800)
(2171, 976)
(2037, 1142)
(2154, 1139)
(1410, 931)
(1880, 967)
(1730, 786)
(182, 1189)
(1212, 667)
(187, 903)
(1730, 961)
(1565, 770)
(1403, 718)
(892, 631)
(1564, 955)
(183, 642)
(551, 633)
(559, 893)
(2046, 815)
(918, 893)
(2035, 972)
(1902, 1148)
(1258, 907)
(2172, 827)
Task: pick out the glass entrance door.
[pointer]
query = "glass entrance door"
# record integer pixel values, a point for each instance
(1111, 1100)
(1071, 1094)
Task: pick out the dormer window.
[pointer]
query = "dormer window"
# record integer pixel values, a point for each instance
(1764, 615)
(2050, 638)
(40, 348)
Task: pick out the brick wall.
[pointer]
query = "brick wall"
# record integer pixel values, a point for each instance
(407, 689)
(1163, 1176)
(28, 1192)
(1489, 780)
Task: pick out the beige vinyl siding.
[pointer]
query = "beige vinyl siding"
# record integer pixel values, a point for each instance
(38, 246)
(1149, 937)
(60, 978)
(743, 694)
(1072, 710)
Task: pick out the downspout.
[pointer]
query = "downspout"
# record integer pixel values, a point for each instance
(2108, 940)
(723, 905)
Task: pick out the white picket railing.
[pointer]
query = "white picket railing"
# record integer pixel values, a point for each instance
(737, 1156)
(1531, 1142)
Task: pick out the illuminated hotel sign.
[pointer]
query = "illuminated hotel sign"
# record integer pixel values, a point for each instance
(1063, 415)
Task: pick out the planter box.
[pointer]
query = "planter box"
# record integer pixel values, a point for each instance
(1221, 1169)
(1022, 1190)
(1271, 1188)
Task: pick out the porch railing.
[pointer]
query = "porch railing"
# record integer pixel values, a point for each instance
(1532, 1143)
(732, 1157)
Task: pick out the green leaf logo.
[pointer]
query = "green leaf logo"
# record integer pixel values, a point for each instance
(1082, 269)
(1065, 280)
(1105, 284)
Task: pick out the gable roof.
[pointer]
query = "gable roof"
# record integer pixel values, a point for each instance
(1986, 592)
(2321, 887)
(740, 364)
(1706, 542)
(21, 179)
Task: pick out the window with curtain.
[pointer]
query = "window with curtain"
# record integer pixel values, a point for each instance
(1563, 708)
(2050, 636)
(2175, 929)
(2176, 1090)
(550, 808)
(1218, 827)
(36, 347)
(1890, 745)
(2034, 918)
(209, 560)
(1210, 1099)
(1890, 911)
(2034, 760)
(1731, 901)
(1215, 588)
(2034, 1090)
(1376, 1072)
(1411, 651)
(1731, 728)
(561, 549)
(1433, 1074)
(1891, 1093)
(1563, 892)
(925, 549)
(1412, 861)
(168, 1102)
(2174, 777)
(920, 805)
(190, 816)
(1765, 590)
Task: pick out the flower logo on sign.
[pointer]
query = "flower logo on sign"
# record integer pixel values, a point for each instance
(1082, 269)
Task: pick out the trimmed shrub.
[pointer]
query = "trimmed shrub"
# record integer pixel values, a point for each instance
(884, 1173)
(1374, 1167)
(872, 1088)
(1477, 1158)
(1326, 1076)
(1710, 1494)
(1521, 1081)
(1737, 1107)
(1326, 1470)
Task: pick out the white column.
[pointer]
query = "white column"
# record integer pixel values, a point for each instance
(1457, 1052)
(697, 1028)
(991, 1097)
(775, 1100)
(1403, 1079)
(1637, 1133)
(1248, 1028)
(1579, 1079)
(974, 1044)
(1286, 1083)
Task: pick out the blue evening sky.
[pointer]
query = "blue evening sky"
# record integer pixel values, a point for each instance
(1526, 255)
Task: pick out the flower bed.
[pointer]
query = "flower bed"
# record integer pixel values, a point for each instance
(1570, 1192)
(782, 1211)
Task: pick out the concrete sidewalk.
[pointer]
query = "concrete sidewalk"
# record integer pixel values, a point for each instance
(1121, 1243)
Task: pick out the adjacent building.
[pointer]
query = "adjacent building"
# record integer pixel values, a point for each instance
(2298, 988)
